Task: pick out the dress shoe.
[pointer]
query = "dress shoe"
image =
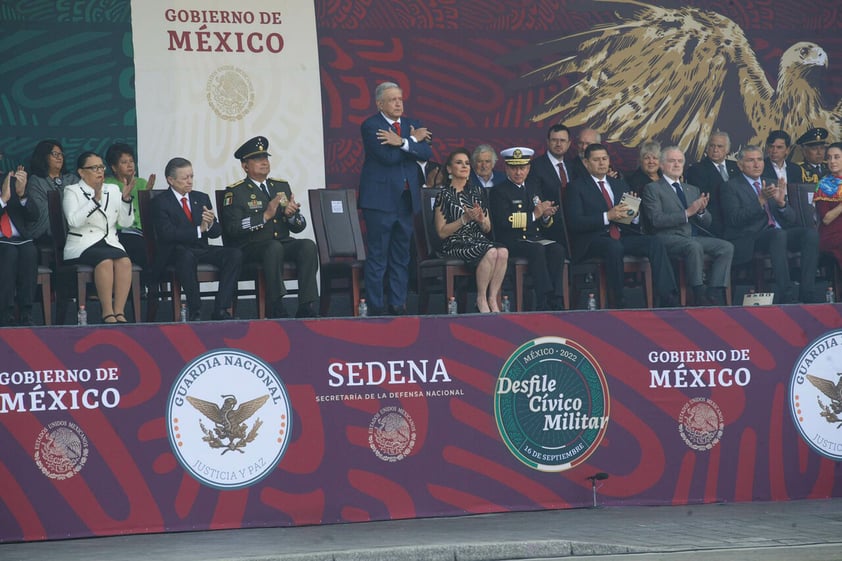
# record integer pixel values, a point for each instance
(716, 295)
(668, 300)
(306, 310)
(700, 296)
(397, 310)
(221, 315)
(278, 310)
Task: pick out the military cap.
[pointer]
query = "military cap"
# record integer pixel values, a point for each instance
(253, 148)
(813, 137)
(518, 156)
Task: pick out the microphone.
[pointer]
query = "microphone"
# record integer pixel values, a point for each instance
(599, 476)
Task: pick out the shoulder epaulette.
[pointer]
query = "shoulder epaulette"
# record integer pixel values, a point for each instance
(236, 183)
(279, 180)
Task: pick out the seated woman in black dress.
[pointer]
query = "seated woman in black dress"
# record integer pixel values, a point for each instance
(462, 221)
(649, 169)
(93, 209)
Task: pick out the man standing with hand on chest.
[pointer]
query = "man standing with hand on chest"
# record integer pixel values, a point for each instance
(389, 196)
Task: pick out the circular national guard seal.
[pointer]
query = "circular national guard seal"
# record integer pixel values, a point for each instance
(391, 434)
(551, 404)
(815, 394)
(61, 450)
(230, 93)
(229, 419)
(701, 423)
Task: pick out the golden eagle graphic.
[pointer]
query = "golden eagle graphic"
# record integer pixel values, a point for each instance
(229, 423)
(679, 74)
(834, 392)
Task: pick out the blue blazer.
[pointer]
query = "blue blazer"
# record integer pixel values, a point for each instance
(387, 169)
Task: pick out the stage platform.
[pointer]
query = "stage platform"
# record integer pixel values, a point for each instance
(159, 428)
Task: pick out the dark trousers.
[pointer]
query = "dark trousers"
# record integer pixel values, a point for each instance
(612, 252)
(546, 267)
(18, 273)
(229, 261)
(387, 255)
(776, 242)
(272, 254)
(135, 246)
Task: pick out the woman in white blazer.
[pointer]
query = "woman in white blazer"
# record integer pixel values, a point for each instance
(93, 209)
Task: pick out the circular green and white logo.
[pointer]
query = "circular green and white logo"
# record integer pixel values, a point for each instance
(551, 404)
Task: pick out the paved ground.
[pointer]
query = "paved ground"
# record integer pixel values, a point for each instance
(799, 530)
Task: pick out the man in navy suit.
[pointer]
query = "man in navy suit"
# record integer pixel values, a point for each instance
(551, 173)
(183, 220)
(389, 196)
(758, 217)
(593, 210)
(711, 172)
(776, 166)
(18, 254)
(483, 160)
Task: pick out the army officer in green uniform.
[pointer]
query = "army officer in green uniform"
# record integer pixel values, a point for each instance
(258, 215)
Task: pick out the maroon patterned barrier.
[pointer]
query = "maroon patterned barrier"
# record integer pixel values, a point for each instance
(153, 428)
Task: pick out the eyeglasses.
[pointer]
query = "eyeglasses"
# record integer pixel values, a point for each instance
(55, 154)
(95, 168)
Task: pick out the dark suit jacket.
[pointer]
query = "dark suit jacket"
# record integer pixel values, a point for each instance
(497, 177)
(387, 169)
(638, 179)
(706, 177)
(584, 206)
(793, 172)
(745, 218)
(543, 176)
(577, 169)
(242, 214)
(506, 200)
(172, 228)
(24, 217)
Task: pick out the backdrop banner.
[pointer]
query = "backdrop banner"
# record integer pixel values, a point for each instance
(210, 77)
(175, 427)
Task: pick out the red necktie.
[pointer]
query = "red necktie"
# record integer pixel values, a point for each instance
(186, 206)
(398, 127)
(613, 229)
(563, 176)
(6, 225)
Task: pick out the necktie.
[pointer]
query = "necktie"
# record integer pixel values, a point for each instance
(265, 191)
(185, 204)
(722, 171)
(613, 229)
(769, 220)
(680, 192)
(562, 175)
(6, 225)
(398, 127)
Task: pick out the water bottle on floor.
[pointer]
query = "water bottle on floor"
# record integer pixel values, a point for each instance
(506, 305)
(82, 316)
(362, 310)
(452, 306)
(183, 312)
(591, 302)
(829, 297)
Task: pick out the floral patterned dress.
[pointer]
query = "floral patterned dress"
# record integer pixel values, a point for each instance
(468, 242)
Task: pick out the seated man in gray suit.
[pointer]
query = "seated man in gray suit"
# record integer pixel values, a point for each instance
(758, 217)
(677, 213)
